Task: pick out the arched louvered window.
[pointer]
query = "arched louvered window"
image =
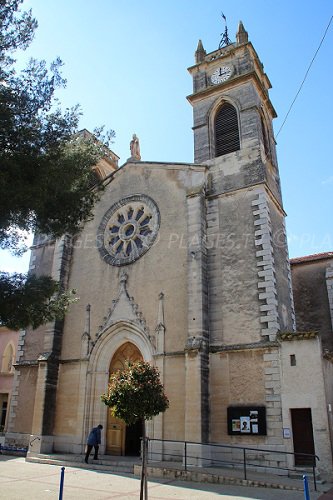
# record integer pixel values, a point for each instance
(226, 130)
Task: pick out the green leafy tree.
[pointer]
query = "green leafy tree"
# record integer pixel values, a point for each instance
(46, 180)
(28, 299)
(136, 393)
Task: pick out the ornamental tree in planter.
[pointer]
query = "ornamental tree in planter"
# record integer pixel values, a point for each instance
(136, 393)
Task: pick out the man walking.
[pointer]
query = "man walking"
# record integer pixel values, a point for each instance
(94, 440)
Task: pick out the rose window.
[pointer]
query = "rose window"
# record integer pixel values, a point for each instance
(128, 229)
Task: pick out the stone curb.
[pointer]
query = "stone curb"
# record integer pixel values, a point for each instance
(204, 477)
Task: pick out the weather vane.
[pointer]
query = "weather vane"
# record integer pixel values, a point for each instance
(225, 40)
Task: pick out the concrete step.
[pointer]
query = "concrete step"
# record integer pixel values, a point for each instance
(107, 465)
(308, 472)
(172, 471)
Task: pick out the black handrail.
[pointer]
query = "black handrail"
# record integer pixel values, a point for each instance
(245, 463)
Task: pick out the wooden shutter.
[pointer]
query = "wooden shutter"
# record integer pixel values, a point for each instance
(226, 130)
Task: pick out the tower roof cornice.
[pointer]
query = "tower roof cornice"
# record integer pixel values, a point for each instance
(245, 64)
(232, 50)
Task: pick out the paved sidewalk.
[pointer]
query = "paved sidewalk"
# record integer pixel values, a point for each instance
(20, 480)
(327, 496)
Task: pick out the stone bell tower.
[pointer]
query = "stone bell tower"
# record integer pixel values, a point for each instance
(248, 265)
(248, 275)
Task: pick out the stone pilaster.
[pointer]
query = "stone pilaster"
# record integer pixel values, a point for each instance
(196, 348)
(160, 329)
(290, 286)
(16, 383)
(196, 389)
(48, 361)
(197, 266)
(273, 401)
(214, 270)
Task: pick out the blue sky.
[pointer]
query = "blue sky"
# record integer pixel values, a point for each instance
(126, 65)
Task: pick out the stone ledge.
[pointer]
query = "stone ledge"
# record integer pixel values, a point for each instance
(19, 364)
(241, 347)
(289, 336)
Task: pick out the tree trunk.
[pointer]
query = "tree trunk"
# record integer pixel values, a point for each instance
(143, 485)
(145, 466)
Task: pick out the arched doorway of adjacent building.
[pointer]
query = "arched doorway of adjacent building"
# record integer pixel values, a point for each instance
(122, 439)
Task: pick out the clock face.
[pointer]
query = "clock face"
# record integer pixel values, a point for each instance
(221, 74)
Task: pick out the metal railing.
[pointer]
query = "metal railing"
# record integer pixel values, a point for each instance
(206, 455)
(11, 449)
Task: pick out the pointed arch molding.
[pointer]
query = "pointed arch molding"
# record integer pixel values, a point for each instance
(224, 99)
(214, 108)
(124, 323)
(108, 343)
(124, 308)
(8, 358)
(96, 378)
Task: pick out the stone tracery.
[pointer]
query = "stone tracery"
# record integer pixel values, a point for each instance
(128, 229)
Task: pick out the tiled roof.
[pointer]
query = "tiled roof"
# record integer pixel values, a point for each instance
(310, 258)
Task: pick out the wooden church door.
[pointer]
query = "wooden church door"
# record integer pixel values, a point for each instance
(302, 435)
(116, 428)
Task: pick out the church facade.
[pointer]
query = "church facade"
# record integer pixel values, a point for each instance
(185, 266)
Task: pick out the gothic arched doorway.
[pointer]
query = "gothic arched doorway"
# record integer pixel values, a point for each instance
(122, 439)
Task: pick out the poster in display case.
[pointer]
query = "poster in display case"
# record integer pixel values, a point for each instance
(245, 420)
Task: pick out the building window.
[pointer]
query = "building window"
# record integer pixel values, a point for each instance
(3, 411)
(128, 229)
(8, 359)
(226, 130)
(292, 360)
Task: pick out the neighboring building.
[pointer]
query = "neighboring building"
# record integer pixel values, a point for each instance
(312, 278)
(184, 265)
(8, 350)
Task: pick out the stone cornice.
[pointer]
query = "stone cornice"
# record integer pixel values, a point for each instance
(169, 354)
(290, 336)
(242, 347)
(226, 52)
(250, 76)
(23, 363)
(164, 166)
